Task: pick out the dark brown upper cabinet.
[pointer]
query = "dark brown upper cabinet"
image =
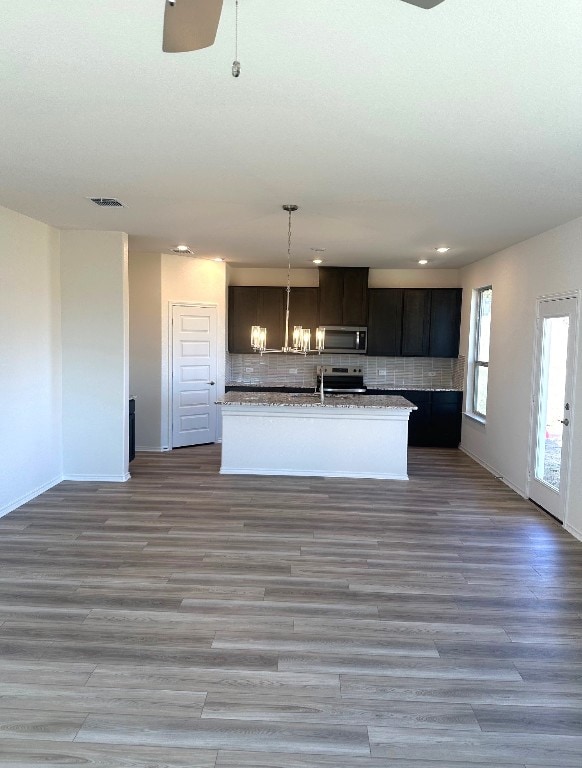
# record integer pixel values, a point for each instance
(385, 321)
(304, 310)
(242, 314)
(445, 322)
(416, 322)
(409, 322)
(255, 305)
(271, 315)
(343, 296)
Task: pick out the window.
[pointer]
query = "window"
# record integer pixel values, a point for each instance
(482, 327)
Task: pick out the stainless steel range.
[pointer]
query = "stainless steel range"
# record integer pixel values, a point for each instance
(346, 379)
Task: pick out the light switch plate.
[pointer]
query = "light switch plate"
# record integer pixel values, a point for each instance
(249, 370)
(292, 370)
(382, 372)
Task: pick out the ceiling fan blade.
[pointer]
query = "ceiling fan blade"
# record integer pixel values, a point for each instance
(190, 24)
(424, 3)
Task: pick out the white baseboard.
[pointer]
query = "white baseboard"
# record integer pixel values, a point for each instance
(310, 473)
(520, 491)
(98, 478)
(11, 506)
(574, 531)
(149, 449)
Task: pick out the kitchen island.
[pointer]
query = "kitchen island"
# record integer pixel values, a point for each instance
(272, 433)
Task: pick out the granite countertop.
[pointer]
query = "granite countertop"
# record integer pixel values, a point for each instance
(300, 400)
(423, 388)
(409, 388)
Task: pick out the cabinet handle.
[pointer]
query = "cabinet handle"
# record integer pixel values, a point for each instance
(210, 382)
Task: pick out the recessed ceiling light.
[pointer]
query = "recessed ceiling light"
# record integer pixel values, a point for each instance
(317, 261)
(182, 249)
(442, 249)
(423, 261)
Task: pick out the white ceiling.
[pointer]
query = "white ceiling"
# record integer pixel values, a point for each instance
(395, 129)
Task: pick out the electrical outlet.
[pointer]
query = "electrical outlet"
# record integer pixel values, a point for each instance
(431, 374)
(249, 370)
(292, 370)
(382, 372)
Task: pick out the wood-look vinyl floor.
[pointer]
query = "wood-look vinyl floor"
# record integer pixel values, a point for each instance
(190, 620)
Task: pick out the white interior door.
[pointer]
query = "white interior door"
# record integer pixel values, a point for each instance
(552, 404)
(193, 375)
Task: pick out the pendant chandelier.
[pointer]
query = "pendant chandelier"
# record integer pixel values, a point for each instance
(301, 338)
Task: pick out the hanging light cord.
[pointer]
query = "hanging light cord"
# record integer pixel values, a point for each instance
(288, 281)
(236, 62)
(236, 32)
(289, 252)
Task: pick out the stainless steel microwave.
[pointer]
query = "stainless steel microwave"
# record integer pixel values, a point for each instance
(348, 339)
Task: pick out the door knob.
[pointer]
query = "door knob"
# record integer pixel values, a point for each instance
(565, 422)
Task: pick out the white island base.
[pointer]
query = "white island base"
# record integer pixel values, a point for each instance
(315, 440)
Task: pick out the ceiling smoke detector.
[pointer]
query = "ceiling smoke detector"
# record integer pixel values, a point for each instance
(107, 202)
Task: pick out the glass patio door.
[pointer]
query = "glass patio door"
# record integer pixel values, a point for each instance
(552, 411)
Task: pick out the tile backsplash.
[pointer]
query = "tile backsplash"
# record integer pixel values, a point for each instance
(278, 370)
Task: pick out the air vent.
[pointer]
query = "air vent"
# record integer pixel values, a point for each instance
(183, 250)
(106, 202)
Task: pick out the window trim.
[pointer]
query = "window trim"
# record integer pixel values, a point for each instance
(478, 364)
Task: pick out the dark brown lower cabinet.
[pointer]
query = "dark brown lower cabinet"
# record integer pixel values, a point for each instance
(446, 418)
(419, 427)
(437, 422)
(131, 429)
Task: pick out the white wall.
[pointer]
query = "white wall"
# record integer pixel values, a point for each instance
(30, 359)
(191, 281)
(550, 263)
(300, 278)
(180, 279)
(94, 311)
(145, 347)
(157, 281)
(378, 278)
(414, 278)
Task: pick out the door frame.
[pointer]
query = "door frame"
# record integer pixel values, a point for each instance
(168, 383)
(533, 417)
